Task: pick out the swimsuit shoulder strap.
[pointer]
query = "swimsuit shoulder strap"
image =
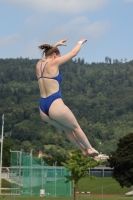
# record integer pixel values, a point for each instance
(42, 69)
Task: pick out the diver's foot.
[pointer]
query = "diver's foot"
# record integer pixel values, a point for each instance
(92, 152)
(84, 152)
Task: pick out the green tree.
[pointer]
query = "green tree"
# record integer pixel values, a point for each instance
(6, 159)
(57, 158)
(122, 161)
(26, 146)
(103, 104)
(77, 164)
(21, 133)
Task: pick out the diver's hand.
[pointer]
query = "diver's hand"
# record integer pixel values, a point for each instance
(82, 41)
(60, 43)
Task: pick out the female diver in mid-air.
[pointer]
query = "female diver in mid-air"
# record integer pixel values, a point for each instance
(52, 108)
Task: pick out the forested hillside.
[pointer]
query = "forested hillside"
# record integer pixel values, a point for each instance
(99, 94)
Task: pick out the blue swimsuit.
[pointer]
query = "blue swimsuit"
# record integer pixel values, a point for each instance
(45, 103)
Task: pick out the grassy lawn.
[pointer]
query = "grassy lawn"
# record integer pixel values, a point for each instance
(95, 186)
(6, 184)
(63, 198)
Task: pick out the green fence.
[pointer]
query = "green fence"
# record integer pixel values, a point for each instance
(33, 177)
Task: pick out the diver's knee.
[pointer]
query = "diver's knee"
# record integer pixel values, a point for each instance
(67, 130)
(76, 128)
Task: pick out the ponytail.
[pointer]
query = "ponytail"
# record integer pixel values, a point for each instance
(48, 50)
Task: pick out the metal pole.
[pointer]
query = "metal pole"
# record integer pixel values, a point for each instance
(1, 150)
(53, 181)
(65, 184)
(55, 178)
(20, 163)
(42, 174)
(31, 172)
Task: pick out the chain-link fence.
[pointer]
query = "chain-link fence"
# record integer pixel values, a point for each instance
(33, 177)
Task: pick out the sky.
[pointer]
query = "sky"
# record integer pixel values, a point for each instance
(106, 24)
